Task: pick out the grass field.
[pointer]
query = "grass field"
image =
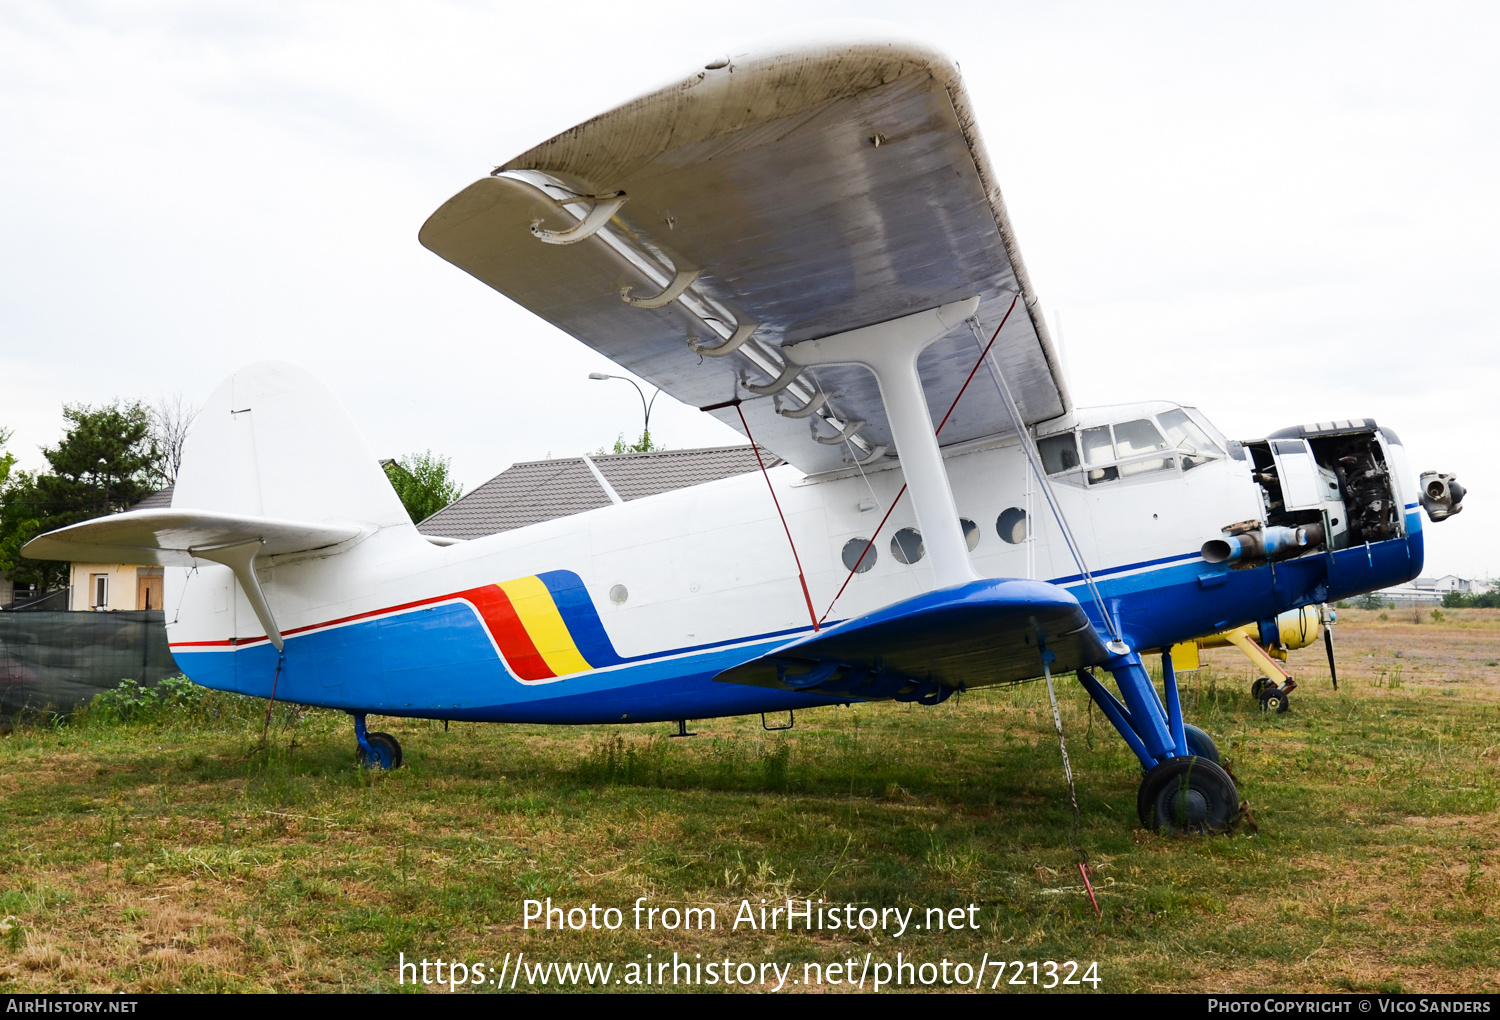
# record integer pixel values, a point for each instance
(171, 853)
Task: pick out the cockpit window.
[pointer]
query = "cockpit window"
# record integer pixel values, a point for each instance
(1208, 428)
(1098, 449)
(1134, 447)
(1135, 438)
(1059, 453)
(1191, 441)
(1139, 436)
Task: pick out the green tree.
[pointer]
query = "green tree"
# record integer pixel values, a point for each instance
(1482, 600)
(105, 463)
(642, 445)
(423, 482)
(7, 460)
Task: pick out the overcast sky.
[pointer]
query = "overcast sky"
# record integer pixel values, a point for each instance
(1279, 212)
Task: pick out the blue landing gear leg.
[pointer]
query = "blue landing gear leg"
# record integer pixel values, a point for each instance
(1185, 788)
(376, 750)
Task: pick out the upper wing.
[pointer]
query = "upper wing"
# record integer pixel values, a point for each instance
(783, 197)
(984, 632)
(177, 537)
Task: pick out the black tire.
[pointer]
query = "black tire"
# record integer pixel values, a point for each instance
(1259, 687)
(387, 752)
(1187, 795)
(1274, 699)
(1200, 743)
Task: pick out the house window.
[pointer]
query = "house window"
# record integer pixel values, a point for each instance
(99, 591)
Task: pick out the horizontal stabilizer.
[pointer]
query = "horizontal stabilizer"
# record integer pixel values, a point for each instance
(171, 537)
(922, 649)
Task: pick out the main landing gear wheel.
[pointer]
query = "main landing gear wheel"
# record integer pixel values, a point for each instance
(1257, 688)
(1200, 743)
(385, 752)
(1189, 794)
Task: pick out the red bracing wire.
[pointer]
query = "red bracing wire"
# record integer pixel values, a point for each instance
(806, 594)
(938, 431)
(266, 731)
(1083, 869)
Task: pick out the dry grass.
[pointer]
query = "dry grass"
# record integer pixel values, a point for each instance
(169, 854)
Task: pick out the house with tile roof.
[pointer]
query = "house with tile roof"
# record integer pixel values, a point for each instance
(119, 586)
(540, 490)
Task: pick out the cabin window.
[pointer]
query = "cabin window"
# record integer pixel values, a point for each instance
(971, 532)
(618, 594)
(907, 546)
(1012, 526)
(1059, 453)
(859, 551)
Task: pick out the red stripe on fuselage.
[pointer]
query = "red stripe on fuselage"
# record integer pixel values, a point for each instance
(506, 628)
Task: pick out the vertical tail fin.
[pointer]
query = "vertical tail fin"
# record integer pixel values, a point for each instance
(272, 441)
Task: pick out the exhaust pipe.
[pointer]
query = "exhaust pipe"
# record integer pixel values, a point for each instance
(1262, 544)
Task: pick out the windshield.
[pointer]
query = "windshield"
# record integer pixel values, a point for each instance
(1190, 440)
(1219, 442)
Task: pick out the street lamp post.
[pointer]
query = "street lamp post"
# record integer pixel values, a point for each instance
(645, 404)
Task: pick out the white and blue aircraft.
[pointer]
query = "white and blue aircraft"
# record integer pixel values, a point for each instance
(811, 245)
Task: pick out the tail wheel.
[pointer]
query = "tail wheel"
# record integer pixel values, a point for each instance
(385, 752)
(1274, 699)
(1188, 794)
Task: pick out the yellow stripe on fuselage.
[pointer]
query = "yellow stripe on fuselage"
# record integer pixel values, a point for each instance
(538, 614)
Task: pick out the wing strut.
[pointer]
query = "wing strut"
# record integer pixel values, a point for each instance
(241, 559)
(890, 349)
(879, 451)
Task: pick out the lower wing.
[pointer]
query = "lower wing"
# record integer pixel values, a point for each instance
(922, 649)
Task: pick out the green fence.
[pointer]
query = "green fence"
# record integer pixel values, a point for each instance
(55, 661)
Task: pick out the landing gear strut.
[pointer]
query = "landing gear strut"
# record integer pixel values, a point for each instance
(375, 750)
(1185, 789)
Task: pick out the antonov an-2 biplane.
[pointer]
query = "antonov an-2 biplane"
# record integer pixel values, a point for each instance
(809, 244)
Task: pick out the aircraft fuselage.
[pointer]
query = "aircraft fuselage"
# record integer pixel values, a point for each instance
(628, 612)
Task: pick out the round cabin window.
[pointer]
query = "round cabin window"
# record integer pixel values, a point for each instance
(907, 546)
(853, 550)
(971, 532)
(1013, 526)
(618, 594)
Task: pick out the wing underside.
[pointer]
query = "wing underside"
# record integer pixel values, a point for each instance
(785, 197)
(985, 632)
